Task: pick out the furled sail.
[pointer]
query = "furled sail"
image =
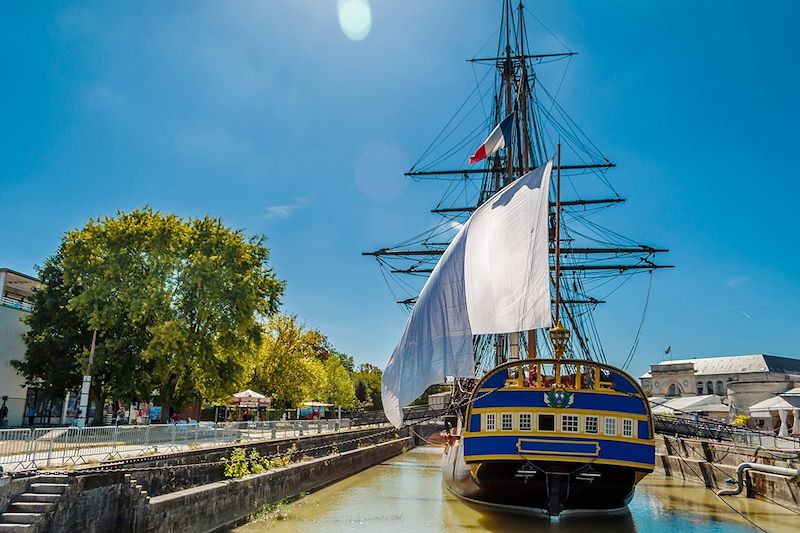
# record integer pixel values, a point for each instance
(493, 278)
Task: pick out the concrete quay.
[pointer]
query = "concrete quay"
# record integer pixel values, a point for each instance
(187, 491)
(714, 463)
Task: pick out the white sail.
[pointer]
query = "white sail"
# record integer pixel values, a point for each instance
(493, 278)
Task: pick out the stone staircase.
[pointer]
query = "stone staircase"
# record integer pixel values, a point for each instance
(28, 509)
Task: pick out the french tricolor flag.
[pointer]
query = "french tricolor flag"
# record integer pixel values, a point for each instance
(497, 139)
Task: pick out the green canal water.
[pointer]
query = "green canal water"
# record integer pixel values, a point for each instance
(406, 494)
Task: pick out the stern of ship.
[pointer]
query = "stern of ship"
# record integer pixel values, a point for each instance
(552, 436)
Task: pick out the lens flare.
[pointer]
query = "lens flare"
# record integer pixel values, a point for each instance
(355, 18)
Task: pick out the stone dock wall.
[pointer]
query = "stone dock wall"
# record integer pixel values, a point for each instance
(221, 505)
(713, 463)
(187, 492)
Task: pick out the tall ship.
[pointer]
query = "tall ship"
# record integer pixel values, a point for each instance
(507, 282)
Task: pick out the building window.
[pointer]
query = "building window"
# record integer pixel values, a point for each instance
(591, 424)
(525, 421)
(720, 389)
(611, 425)
(674, 390)
(627, 427)
(547, 422)
(490, 421)
(569, 423)
(506, 422)
(709, 387)
(699, 388)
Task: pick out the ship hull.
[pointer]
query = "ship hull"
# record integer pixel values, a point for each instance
(553, 437)
(554, 490)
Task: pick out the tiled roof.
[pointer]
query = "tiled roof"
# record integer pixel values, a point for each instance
(739, 364)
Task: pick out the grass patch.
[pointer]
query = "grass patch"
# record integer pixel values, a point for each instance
(272, 511)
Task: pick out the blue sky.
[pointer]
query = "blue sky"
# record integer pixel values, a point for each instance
(267, 115)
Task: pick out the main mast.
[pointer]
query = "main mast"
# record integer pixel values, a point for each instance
(514, 65)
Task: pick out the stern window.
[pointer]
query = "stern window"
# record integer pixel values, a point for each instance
(547, 422)
(569, 423)
(591, 424)
(611, 425)
(627, 427)
(524, 421)
(506, 422)
(490, 421)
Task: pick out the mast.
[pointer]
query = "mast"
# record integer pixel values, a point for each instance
(508, 73)
(523, 106)
(559, 335)
(557, 237)
(593, 259)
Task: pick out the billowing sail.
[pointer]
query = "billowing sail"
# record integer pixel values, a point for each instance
(493, 278)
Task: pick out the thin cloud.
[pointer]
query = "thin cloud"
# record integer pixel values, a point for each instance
(286, 210)
(748, 317)
(737, 280)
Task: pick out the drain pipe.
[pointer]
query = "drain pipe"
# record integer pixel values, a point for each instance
(743, 467)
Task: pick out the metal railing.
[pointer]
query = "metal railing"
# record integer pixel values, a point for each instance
(709, 429)
(16, 304)
(23, 449)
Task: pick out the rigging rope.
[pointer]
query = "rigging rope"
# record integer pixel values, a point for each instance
(641, 324)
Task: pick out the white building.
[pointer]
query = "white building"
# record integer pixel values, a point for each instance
(15, 302)
(740, 380)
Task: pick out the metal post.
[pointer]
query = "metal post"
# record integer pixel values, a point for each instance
(87, 383)
(64, 409)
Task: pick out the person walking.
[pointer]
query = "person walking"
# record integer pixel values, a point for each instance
(4, 413)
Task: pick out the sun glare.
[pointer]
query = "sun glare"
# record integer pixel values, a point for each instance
(355, 18)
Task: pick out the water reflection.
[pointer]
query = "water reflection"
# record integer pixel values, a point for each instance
(407, 493)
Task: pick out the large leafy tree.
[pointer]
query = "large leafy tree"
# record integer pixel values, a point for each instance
(176, 303)
(297, 364)
(287, 368)
(367, 378)
(339, 389)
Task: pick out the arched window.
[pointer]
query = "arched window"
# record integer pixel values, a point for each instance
(720, 389)
(699, 388)
(674, 390)
(709, 387)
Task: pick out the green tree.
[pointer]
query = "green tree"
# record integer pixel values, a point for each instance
(297, 364)
(177, 305)
(345, 360)
(362, 391)
(288, 367)
(371, 376)
(57, 338)
(339, 389)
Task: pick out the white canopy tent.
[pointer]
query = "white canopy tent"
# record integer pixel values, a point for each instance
(687, 404)
(249, 398)
(782, 404)
(246, 399)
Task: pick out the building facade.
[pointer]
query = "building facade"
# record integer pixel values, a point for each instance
(739, 380)
(16, 290)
